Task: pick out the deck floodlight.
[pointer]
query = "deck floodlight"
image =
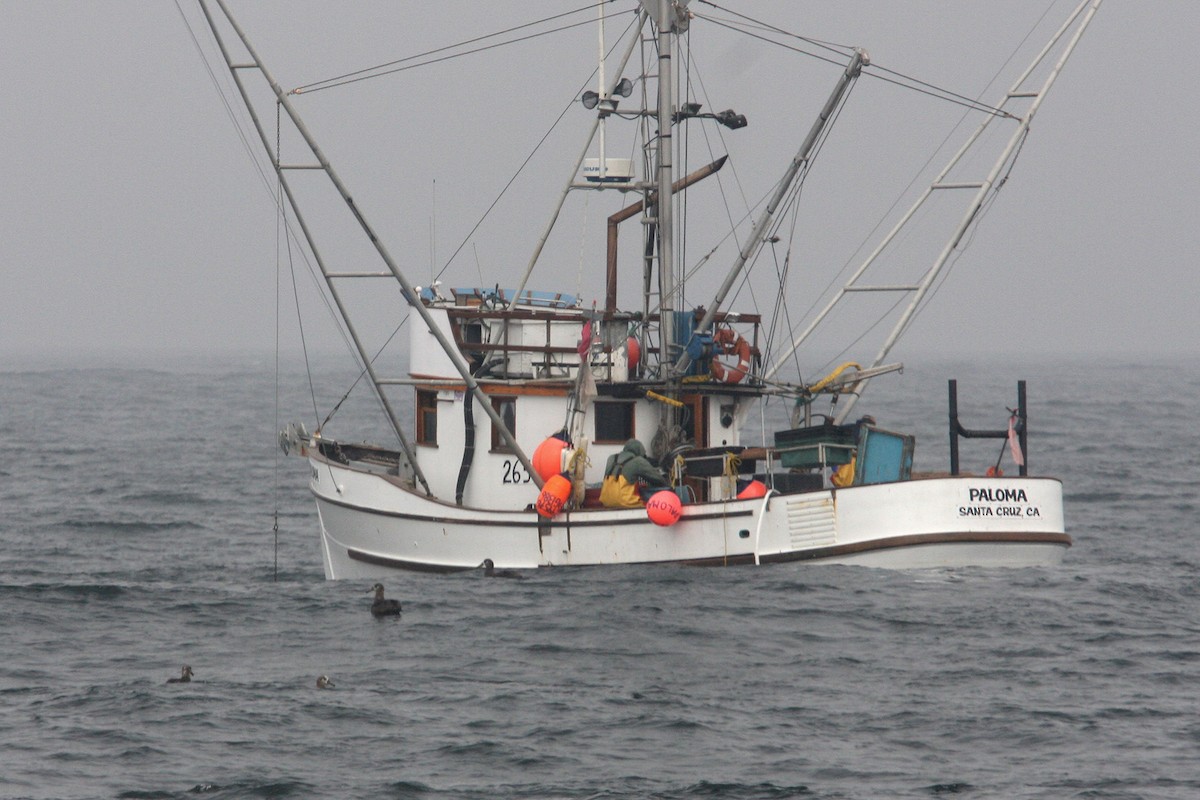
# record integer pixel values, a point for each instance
(731, 119)
(688, 111)
(590, 99)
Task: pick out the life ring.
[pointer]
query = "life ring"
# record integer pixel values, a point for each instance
(726, 343)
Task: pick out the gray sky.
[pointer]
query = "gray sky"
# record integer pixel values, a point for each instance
(133, 221)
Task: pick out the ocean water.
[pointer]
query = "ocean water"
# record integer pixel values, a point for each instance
(140, 502)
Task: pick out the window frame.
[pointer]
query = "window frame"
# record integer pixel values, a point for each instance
(426, 403)
(499, 403)
(608, 406)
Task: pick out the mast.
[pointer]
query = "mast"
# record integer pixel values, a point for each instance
(664, 178)
(601, 88)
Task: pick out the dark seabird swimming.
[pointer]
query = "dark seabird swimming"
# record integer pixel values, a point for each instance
(323, 682)
(184, 677)
(489, 569)
(383, 607)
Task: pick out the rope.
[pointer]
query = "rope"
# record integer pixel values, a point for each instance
(831, 377)
(678, 466)
(729, 475)
(662, 398)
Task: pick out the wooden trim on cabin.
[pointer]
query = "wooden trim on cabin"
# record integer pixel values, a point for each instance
(509, 389)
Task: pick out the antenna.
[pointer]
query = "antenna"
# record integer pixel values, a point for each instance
(433, 234)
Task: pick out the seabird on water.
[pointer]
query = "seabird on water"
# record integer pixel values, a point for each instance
(489, 570)
(383, 607)
(185, 676)
(323, 682)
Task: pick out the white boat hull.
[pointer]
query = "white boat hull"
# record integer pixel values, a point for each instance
(372, 525)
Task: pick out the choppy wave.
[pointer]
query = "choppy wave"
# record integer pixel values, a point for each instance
(150, 545)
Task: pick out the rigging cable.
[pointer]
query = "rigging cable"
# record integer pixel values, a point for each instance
(282, 206)
(792, 200)
(924, 88)
(913, 84)
(276, 199)
(732, 164)
(970, 231)
(508, 185)
(362, 373)
(292, 267)
(870, 235)
(312, 270)
(275, 488)
(371, 72)
(487, 212)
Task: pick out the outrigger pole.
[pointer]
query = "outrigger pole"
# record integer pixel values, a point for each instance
(755, 241)
(1081, 16)
(409, 292)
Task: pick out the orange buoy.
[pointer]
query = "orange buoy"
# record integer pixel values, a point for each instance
(554, 496)
(752, 490)
(547, 458)
(663, 507)
(726, 343)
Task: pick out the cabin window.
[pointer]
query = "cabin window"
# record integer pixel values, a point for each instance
(614, 422)
(426, 417)
(506, 408)
(693, 420)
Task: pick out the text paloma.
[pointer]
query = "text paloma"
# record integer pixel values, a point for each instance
(999, 495)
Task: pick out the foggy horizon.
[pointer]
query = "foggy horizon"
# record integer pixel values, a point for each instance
(136, 227)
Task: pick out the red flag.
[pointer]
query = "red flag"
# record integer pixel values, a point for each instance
(585, 341)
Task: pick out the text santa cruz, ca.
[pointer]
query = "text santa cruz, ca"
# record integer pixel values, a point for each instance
(999, 503)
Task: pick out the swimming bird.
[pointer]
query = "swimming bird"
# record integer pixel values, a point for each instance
(323, 682)
(489, 570)
(185, 676)
(382, 607)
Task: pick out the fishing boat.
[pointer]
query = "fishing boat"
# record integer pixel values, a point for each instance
(519, 409)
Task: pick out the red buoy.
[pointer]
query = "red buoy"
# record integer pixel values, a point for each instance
(663, 507)
(554, 496)
(547, 458)
(753, 489)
